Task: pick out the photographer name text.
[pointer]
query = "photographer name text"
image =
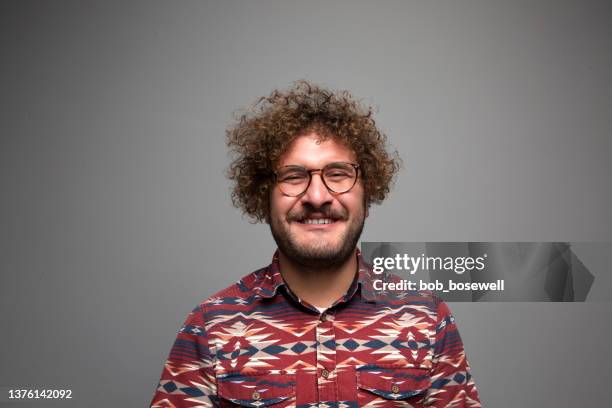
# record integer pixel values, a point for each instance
(439, 286)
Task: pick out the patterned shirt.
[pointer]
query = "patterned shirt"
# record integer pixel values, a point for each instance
(256, 344)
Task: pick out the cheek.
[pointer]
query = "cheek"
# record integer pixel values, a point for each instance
(356, 202)
(279, 204)
(273, 206)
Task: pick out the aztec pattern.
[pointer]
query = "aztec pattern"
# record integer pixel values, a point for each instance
(255, 344)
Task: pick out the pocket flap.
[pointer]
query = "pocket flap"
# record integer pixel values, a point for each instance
(255, 390)
(393, 383)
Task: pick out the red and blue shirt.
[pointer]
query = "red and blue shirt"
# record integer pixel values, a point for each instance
(255, 344)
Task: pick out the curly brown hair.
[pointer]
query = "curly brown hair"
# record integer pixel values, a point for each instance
(261, 135)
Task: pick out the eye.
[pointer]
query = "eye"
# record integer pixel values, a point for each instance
(292, 176)
(337, 173)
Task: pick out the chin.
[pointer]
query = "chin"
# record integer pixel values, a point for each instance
(328, 250)
(322, 252)
(320, 255)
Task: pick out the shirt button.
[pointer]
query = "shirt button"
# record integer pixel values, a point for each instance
(325, 374)
(395, 389)
(324, 317)
(256, 395)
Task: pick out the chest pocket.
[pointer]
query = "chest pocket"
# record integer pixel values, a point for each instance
(376, 384)
(260, 389)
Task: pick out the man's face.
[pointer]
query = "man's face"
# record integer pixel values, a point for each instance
(323, 244)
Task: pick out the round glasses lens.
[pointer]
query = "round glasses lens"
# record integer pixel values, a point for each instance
(339, 177)
(293, 180)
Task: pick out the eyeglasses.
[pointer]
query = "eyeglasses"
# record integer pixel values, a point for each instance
(337, 177)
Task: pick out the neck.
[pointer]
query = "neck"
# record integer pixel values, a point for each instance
(318, 286)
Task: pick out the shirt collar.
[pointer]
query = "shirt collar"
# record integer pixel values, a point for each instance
(365, 279)
(270, 280)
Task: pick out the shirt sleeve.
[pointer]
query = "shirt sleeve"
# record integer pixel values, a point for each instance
(452, 384)
(188, 378)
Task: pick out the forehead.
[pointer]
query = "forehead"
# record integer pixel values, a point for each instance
(313, 152)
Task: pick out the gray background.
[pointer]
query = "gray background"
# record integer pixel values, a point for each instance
(115, 213)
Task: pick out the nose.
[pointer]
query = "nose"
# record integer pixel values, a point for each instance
(317, 193)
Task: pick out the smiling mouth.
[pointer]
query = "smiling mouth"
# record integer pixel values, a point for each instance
(317, 221)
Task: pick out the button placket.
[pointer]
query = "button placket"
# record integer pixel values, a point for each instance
(326, 358)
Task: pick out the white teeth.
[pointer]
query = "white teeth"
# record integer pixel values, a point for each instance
(318, 221)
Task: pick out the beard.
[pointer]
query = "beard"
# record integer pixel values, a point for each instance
(319, 254)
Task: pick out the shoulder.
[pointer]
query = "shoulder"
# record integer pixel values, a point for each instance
(240, 297)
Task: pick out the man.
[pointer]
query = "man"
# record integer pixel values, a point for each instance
(309, 330)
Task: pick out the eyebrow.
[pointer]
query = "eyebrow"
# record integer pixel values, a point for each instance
(318, 167)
